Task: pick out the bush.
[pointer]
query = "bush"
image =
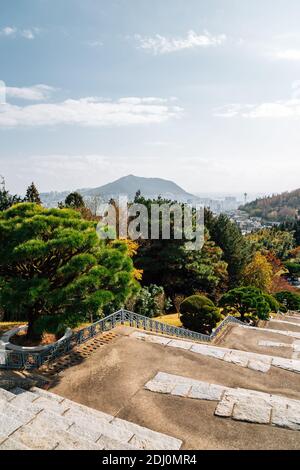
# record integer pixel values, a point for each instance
(293, 268)
(198, 313)
(274, 304)
(290, 300)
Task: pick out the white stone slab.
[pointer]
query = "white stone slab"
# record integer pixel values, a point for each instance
(201, 391)
(159, 386)
(236, 358)
(225, 406)
(274, 344)
(6, 395)
(110, 444)
(145, 438)
(258, 366)
(34, 440)
(13, 444)
(8, 425)
(174, 343)
(252, 411)
(181, 390)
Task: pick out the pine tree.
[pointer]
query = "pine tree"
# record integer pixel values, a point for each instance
(55, 271)
(237, 251)
(32, 195)
(74, 201)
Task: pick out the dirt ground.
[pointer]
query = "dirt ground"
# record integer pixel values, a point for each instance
(113, 378)
(276, 325)
(290, 319)
(243, 339)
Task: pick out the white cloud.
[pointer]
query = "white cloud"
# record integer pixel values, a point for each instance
(11, 31)
(288, 54)
(8, 31)
(90, 112)
(289, 108)
(34, 93)
(163, 45)
(272, 110)
(94, 43)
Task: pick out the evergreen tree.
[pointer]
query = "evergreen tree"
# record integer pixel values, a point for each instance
(6, 199)
(74, 201)
(55, 271)
(32, 195)
(180, 271)
(237, 251)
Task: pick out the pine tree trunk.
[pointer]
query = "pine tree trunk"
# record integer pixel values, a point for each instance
(31, 333)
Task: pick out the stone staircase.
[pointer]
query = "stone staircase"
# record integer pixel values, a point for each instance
(77, 354)
(40, 420)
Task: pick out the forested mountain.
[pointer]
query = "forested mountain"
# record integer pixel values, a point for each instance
(127, 185)
(279, 207)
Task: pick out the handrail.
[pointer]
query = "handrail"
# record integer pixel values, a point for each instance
(32, 360)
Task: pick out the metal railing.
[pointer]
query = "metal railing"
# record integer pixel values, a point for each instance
(32, 360)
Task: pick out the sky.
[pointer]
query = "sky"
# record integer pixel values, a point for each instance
(203, 92)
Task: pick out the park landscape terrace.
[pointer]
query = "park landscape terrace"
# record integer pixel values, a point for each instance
(149, 227)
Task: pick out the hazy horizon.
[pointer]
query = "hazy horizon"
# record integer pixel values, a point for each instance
(207, 96)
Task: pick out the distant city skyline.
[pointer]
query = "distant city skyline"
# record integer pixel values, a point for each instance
(206, 94)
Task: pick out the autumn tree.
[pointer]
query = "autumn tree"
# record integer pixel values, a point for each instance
(276, 241)
(258, 273)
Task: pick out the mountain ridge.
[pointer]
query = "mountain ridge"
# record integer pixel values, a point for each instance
(128, 185)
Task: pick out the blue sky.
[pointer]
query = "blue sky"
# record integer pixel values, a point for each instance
(206, 93)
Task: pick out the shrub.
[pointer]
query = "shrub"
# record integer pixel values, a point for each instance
(198, 313)
(274, 304)
(290, 300)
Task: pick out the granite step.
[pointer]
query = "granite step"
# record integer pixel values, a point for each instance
(37, 419)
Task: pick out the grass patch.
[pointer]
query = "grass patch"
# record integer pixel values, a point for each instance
(172, 319)
(8, 325)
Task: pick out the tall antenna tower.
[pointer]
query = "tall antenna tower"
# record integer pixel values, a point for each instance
(2, 183)
(245, 197)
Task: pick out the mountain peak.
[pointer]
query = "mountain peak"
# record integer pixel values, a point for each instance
(130, 184)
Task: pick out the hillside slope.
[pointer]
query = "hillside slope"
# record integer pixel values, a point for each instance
(279, 207)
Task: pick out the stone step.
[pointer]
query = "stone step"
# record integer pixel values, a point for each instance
(8, 425)
(239, 404)
(24, 415)
(6, 395)
(12, 443)
(254, 361)
(38, 419)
